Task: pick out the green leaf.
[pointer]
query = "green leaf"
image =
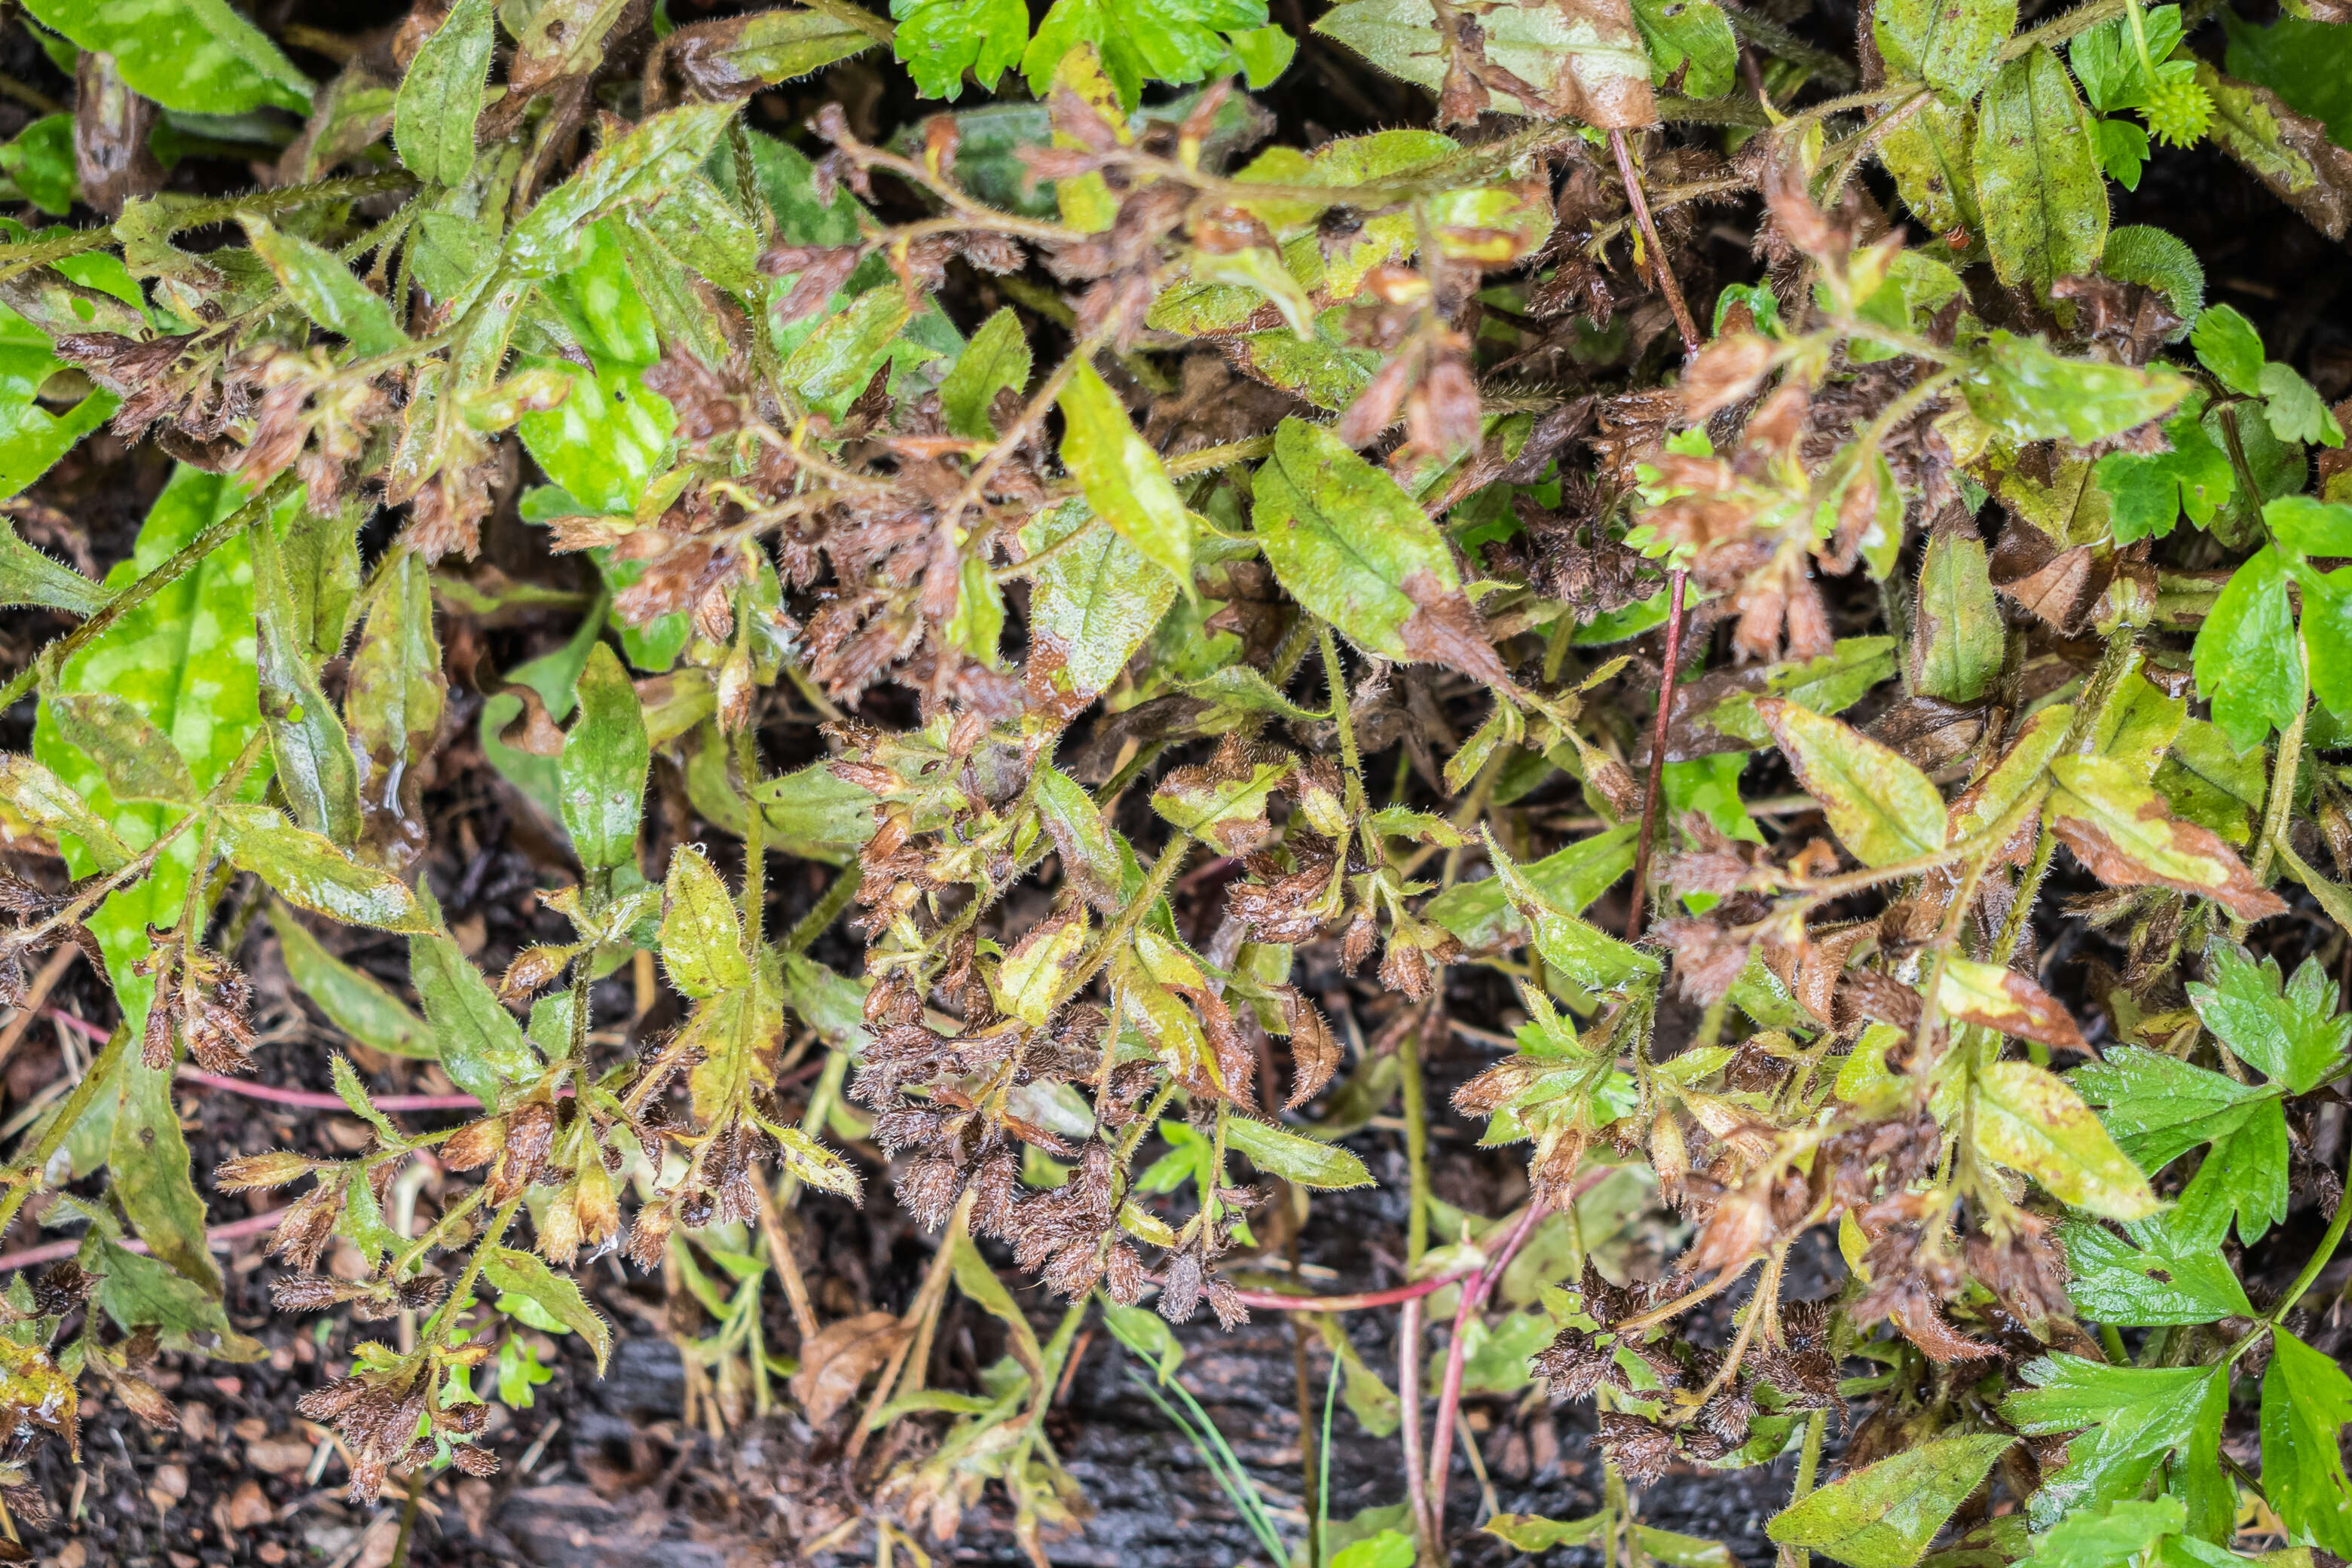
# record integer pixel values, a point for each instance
(2144, 254)
(1882, 807)
(554, 675)
(1090, 607)
(2119, 828)
(1583, 955)
(2028, 394)
(1228, 810)
(2309, 526)
(1139, 41)
(1935, 173)
(1481, 913)
(327, 291)
(441, 97)
(2290, 1031)
(1029, 983)
(2159, 1107)
(701, 935)
(1125, 482)
(32, 795)
(41, 162)
(2306, 1404)
(138, 760)
(2243, 1178)
(197, 56)
(609, 438)
(1533, 1533)
(2125, 1421)
(28, 576)
(2151, 492)
(939, 40)
(2294, 409)
(639, 164)
(2228, 345)
(309, 870)
(1696, 31)
(1950, 45)
(816, 814)
(392, 697)
(139, 1292)
(840, 357)
(1345, 541)
(482, 1047)
(1586, 58)
(1885, 1514)
(2308, 63)
(2249, 660)
(1956, 640)
(355, 1094)
(1147, 1334)
(2110, 1537)
(2113, 1282)
(312, 751)
(603, 768)
(519, 1274)
(2039, 183)
(1309, 1162)
(2030, 1120)
(357, 1003)
(996, 359)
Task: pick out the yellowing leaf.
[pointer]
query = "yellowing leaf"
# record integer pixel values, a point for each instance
(1882, 808)
(1886, 1514)
(1124, 480)
(2031, 1120)
(2119, 828)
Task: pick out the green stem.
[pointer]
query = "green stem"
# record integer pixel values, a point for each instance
(818, 921)
(2276, 810)
(15, 260)
(755, 837)
(1416, 1147)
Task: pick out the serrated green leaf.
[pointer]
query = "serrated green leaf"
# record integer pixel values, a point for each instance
(2126, 1420)
(2112, 1282)
(939, 40)
(2307, 1405)
(2157, 1107)
(1141, 40)
(2289, 1031)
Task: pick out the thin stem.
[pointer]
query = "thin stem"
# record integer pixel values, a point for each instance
(1449, 1390)
(2275, 810)
(1666, 274)
(819, 920)
(1679, 584)
(1409, 1404)
(1416, 1146)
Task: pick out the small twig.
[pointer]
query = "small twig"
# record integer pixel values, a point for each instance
(217, 1237)
(36, 994)
(1449, 1392)
(1666, 274)
(1409, 1402)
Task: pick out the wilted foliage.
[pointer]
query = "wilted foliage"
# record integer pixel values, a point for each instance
(1104, 485)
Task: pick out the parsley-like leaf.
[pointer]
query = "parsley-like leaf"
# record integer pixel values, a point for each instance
(2290, 1033)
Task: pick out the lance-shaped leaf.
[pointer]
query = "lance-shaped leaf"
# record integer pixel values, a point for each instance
(482, 1047)
(1124, 479)
(2307, 1405)
(1583, 955)
(701, 935)
(833, 367)
(1583, 58)
(441, 97)
(139, 760)
(1882, 807)
(996, 359)
(2029, 393)
(34, 800)
(393, 697)
(1091, 605)
(1956, 640)
(2030, 1120)
(1222, 801)
(1090, 849)
(1309, 1161)
(2119, 828)
(28, 576)
(310, 871)
(139, 1292)
(638, 165)
(1886, 1514)
(2041, 192)
(2002, 998)
(327, 291)
(1481, 914)
(1345, 538)
(357, 1003)
(512, 1271)
(603, 768)
(307, 739)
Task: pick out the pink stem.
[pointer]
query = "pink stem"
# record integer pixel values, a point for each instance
(1449, 1392)
(1409, 1400)
(217, 1237)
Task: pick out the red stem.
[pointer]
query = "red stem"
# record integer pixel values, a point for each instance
(1449, 1392)
(1409, 1401)
(1679, 582)
(217, 1237)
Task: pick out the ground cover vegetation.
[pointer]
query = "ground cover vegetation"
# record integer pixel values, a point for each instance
(1609, 703)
